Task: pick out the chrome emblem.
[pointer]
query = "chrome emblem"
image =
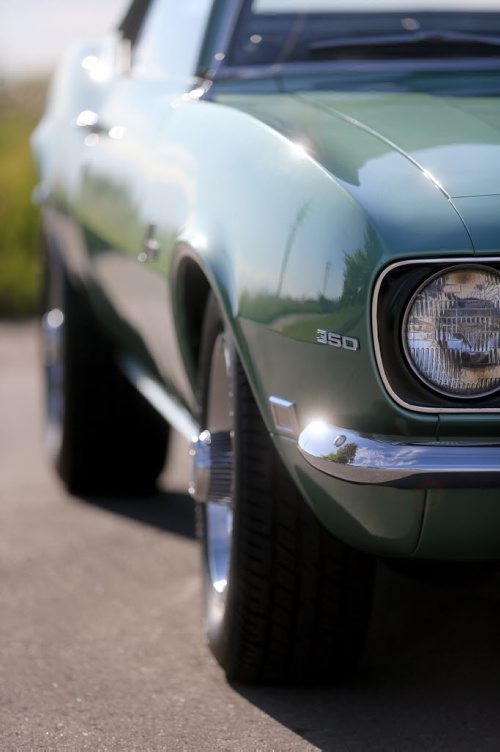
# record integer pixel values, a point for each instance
(325, 337)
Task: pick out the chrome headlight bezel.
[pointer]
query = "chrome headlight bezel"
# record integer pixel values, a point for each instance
(442, 273)
(394, 288)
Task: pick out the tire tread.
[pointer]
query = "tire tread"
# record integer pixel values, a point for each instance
(301, 605)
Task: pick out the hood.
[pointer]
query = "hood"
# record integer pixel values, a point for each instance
(411, 159)
(455, 139)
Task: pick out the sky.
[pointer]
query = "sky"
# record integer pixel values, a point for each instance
(34, 33)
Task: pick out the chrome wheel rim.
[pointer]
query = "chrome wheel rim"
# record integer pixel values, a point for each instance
(220, 425)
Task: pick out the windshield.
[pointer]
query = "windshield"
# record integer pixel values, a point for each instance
(279, 31)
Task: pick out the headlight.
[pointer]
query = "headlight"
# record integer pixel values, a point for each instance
(451, 332)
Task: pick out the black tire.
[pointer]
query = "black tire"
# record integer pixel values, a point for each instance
(297, 601)
(104, 439)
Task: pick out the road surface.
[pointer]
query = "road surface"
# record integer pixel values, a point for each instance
(101, 646)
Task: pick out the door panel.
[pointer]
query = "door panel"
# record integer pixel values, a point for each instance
(129, 262)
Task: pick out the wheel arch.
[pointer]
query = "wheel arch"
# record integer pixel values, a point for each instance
(194, 276)
(191, 286)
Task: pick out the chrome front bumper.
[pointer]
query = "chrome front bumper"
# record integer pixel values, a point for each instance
(385, 461)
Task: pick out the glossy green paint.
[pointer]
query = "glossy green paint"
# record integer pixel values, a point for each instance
(271, 271)
(460, 525)
(455, 139)
(382, 521)
(365, 210)
(482, 215)
(290, 204)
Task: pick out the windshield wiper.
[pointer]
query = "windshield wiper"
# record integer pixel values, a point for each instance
(416, 37)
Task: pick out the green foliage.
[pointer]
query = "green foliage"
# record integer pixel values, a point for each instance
(345, 455)
(298, 318)
(20, 109)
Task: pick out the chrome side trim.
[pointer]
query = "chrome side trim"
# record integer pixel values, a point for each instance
(378, 356)
(157, 396)
(383, 460)
(223, 39)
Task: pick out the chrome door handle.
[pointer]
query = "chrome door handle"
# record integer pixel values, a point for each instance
(151, 247)
(88, 120)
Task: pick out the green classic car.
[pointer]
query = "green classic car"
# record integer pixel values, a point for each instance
(273, 226)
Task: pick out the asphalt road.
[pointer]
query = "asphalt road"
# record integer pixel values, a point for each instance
(101, 646)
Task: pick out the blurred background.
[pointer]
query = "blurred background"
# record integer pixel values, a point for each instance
(33, 35)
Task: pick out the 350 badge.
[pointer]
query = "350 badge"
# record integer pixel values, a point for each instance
(325, 337)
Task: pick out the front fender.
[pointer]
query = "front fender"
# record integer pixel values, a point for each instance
(290, 248)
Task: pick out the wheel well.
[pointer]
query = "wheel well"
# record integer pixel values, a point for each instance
(193, 292)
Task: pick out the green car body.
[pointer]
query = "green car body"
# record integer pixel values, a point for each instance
(287, 194)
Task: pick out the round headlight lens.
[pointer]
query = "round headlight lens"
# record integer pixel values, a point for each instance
(451, 332)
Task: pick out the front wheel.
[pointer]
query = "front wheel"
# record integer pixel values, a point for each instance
(284, 600)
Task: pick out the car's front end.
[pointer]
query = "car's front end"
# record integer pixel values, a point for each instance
(383, 329)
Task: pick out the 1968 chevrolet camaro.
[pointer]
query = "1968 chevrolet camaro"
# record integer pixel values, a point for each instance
(274, 226)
